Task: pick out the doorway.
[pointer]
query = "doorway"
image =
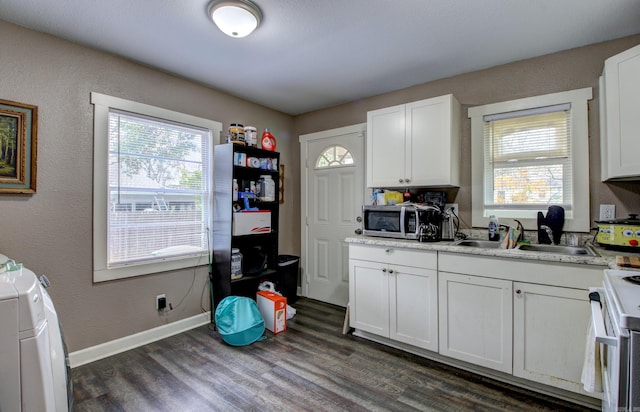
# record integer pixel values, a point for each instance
(332, 190)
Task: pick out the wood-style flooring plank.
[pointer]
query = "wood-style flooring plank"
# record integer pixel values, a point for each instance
(310, 367)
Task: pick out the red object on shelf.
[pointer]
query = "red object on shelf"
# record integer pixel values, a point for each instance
(268, 142)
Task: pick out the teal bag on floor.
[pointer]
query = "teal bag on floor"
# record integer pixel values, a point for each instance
(239, 321)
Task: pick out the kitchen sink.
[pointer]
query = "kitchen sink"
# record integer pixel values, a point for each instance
(560, 249)
(555, 249)
(477, 243)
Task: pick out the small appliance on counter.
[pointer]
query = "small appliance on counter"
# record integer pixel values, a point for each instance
(423, 222)
(620, 234)
(430, 228)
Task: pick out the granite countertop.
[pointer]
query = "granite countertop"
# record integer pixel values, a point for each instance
(606, 257)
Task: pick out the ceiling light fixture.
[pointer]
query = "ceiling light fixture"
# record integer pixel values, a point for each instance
(236, 18)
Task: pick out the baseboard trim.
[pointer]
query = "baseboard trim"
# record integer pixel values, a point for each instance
(103, 350)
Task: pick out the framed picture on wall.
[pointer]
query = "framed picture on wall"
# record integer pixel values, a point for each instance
(18, 147)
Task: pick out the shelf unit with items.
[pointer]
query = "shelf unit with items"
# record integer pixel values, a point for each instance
(255, 231)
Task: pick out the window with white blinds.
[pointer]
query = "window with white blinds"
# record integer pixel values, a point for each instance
(159, 180)
(529, 154)
(152, 207)
(528, 159)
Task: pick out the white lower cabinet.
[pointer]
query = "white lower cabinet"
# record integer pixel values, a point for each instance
(525, 318)
(549, 331)
(393, 294)
(475, 320)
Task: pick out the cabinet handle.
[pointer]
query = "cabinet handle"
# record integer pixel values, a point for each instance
(359, 219)
(400, 180)
(387, 251)
(358, 231)
(390, 270)
(384, 270)
(407, 180)
(519, 292)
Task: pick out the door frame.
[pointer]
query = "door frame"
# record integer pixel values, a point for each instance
(304, 140)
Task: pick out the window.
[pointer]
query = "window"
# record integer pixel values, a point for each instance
(152, 188)
(334, 156)
(528, 154)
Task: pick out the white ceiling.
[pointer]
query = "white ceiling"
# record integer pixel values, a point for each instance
(312, 54)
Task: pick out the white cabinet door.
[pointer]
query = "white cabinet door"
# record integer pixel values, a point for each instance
(368, 296)
(413, 301)
(433, 150)
(476, 320)
(416, 144)
(620, 116)
(549, 334)
(386, 147)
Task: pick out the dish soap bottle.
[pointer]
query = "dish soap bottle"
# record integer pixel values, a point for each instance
(494, 231)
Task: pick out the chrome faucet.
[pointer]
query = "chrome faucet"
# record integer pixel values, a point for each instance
(549, 232)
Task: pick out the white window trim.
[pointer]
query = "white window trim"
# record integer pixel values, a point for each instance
(579, 218)
(102, 103)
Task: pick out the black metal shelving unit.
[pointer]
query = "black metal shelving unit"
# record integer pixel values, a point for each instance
(251, 246)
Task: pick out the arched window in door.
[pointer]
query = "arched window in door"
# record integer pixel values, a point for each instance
(334, 156)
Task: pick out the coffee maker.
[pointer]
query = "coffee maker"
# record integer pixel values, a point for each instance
(430, 228)
(448, 227)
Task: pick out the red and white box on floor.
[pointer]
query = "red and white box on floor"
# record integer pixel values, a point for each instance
(273, 309)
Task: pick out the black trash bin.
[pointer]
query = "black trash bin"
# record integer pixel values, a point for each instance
(288, 277)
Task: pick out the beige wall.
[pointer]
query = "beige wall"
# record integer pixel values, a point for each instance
(572, 69)
(51, 231)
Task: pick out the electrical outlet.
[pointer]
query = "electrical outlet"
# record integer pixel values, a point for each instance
(161, 302)
(453, 207)
(607, 212)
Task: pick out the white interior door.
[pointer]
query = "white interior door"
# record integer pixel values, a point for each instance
(332, 188)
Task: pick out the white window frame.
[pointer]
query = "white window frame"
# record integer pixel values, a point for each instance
(102, 104)
(578, 218)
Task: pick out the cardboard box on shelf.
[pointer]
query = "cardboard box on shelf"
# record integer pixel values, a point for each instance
(251, 222)
(273, 308)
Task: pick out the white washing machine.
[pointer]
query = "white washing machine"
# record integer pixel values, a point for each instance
(34, 374)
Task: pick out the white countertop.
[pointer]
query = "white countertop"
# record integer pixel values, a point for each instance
(607, 257)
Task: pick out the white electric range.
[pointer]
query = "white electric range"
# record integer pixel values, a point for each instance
(620, 354)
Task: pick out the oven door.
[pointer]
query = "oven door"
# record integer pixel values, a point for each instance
(614, 353)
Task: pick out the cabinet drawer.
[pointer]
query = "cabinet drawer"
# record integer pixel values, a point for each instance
(569, 275)
(395, 256)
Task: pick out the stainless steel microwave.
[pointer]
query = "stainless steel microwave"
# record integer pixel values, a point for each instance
(394, 221)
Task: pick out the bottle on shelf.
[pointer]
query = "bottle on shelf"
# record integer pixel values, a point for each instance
(236, 264)
(267, 191)
(268, 142)
(235, 189)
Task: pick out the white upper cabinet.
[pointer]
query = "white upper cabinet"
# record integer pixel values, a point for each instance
(620, 116)
(414, 144)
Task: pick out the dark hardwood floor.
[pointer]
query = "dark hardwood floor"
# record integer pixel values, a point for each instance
(310, 367)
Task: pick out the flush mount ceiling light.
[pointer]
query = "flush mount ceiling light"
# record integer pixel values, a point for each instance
(236, 18)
